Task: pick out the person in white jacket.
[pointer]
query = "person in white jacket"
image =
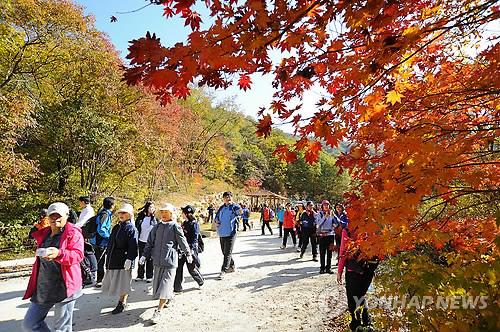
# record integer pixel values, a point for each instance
(87, 211)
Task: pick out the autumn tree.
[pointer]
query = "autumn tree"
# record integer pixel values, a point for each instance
(412, 85)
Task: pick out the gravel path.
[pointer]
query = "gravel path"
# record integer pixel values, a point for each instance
(271, 290)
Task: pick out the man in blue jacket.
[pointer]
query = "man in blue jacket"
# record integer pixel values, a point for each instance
(226, 220)
(101, 239)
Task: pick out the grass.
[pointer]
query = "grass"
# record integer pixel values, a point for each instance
(10, 255)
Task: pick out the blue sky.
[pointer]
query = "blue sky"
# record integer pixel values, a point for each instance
(135, 25)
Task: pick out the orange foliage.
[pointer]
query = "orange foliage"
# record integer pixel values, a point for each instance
(421, 114)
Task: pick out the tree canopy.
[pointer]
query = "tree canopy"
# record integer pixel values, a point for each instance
(412, 85)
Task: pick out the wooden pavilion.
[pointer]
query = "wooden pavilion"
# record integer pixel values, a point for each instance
(262, 196)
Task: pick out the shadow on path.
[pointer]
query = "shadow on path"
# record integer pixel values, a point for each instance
(279, 278)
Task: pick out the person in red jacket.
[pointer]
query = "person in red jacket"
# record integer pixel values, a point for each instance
(288, 223)
(56, 277)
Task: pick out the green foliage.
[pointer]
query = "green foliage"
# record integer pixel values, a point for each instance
(72, 127)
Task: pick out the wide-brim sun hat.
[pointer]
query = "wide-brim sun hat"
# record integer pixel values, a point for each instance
(167, 207)
(126, 208)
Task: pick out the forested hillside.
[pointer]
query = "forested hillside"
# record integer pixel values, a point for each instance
(71, 126)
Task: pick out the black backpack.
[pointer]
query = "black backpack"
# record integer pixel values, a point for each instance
(88, 265)
(89, 230)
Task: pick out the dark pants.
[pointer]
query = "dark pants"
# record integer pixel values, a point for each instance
(338, 241)
(148, 264)
(210, 216)
(100, 254)
(193, 271)
(292, 234)
(356, 285)
(245, 224)
(324, 250)
(226, 245)
(299, 235)
(267, 223)
(309, 234)
(280, 226)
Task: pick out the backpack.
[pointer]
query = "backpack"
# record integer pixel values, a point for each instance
(271, 214)
(89, 230)
(266, 214)
(201, 244)
(88, 265)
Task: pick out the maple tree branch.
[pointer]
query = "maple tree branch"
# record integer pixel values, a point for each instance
(473, 164)
(295, 20)
(135, 10)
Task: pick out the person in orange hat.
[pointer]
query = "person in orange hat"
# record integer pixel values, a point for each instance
(43, 221)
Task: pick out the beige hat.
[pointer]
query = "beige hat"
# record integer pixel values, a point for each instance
(127, 208)
(59, 208)
(168, 207)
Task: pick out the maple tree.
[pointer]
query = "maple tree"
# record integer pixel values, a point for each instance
(413, 86)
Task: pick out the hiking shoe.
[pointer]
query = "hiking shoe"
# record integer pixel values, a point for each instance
(322, 271)
(119, 308)
(98, 285)
(155, 319)
(315, 259)
(221, 276)
(298, 250)
(329, 271)
(177, 291)
(149, 280)
(301, 255)
(200, 286)
(282, 247)
(139, 279)
(231, 269)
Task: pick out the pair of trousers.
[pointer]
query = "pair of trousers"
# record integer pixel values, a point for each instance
(100, 254)
(193, 271)
(280, 227)
(338, 242)
(285, 236)
(268, 224)
(148, 265)
(245, 224)
(356, 285)
(226, 246)
(309, 234)
(324, 250)
(34, 320)
(299, 235)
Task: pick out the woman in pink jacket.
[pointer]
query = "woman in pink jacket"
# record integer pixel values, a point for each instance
(56, 278)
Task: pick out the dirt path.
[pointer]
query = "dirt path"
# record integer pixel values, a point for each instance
(272, 290)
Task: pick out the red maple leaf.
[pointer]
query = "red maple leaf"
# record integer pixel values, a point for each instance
(193, 19)
(264, 126)
(168, 12)
(282, 152)
(312, 153)
(244, 82)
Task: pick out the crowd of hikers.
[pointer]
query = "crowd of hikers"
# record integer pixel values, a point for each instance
(76, 251)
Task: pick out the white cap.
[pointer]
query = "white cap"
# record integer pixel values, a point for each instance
(59, 208)
(168, 207)
(127, 208)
